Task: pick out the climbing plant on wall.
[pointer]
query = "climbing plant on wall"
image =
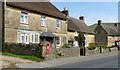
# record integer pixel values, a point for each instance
(80, 39)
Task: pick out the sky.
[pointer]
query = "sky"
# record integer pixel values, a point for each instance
(92, 11)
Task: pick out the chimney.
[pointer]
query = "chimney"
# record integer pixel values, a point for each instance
(65, 11)
(81, 18)
(99, 22)
(115, 24)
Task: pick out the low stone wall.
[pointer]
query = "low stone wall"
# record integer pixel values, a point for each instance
(63, 52)
(97, 51)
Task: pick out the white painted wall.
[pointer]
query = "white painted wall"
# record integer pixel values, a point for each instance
(75, 42)
(86, 40)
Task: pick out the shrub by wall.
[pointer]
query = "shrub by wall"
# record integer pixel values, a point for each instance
(93, 46)
(23, 49)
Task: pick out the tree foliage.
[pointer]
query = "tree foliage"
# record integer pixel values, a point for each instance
(80, 39)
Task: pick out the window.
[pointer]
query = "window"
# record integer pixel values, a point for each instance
(58, 39)
(43, 21)
(24, 38)
(57, 23)
(24, 17)
(76, 33)
(31, 38)
(34, 38)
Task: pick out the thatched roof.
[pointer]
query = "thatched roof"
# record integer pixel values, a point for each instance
(44, 8)
(78, 25)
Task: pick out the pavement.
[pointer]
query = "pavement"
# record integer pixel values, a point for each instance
(63, 61)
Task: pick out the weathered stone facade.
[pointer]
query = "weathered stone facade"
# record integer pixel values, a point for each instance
(112, 39)
(13, 27)
(101, 35)
(70, 35)
(90, 38)
(105, 35)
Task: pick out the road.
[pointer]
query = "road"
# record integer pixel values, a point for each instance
(104, 60)
(107, 62)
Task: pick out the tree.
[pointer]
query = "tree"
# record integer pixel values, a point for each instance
(80, 39)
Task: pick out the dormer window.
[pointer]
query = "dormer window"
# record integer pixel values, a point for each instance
(24, 18)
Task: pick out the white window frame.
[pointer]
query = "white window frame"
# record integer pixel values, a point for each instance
(37, 38)
(59, 41)
(34, 38)
(76, 33)
(43, 21)
(26, 41)
(58, 22)
(31, 41)
(21, 38)
(25, 20)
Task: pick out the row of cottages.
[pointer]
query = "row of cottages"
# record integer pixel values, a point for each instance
(75, 25)
(35, 22)
(106, 33)
(41, 22)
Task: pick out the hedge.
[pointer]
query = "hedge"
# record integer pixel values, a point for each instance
(23, 49)
(92, 46)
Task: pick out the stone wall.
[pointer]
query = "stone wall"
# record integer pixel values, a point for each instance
(112, 39)
(63, 52)
(97, 51)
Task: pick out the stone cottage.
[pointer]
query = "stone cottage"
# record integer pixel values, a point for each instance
(34, 22)
(106, 33)
(75, 25)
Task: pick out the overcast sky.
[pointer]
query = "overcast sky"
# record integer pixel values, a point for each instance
(92, 11)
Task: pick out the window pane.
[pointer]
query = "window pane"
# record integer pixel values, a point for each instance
(57, 23)
(23, 40)
(32, 38)
(58, 40)
(36, 38)
(26, 38)
(24, 17)
(43, 20)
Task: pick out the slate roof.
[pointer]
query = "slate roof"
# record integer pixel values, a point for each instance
(45, 8)
(78, 25)
(110, 28)
(47, 34)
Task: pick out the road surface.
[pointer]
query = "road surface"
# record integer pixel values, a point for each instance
(107, 62)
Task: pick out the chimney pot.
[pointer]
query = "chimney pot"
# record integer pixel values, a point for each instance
(99, 22)
(81, 18)
(65, 11)
(116, 25)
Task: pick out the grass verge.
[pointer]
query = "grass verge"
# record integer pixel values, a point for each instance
(33, 58)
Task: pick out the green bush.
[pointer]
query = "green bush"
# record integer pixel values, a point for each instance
(93, 46)
(67, 45)
(23, 49)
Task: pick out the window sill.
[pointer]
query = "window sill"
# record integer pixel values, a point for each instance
(24, 23)
(43, 25)
(57, 27)
(58, 45)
